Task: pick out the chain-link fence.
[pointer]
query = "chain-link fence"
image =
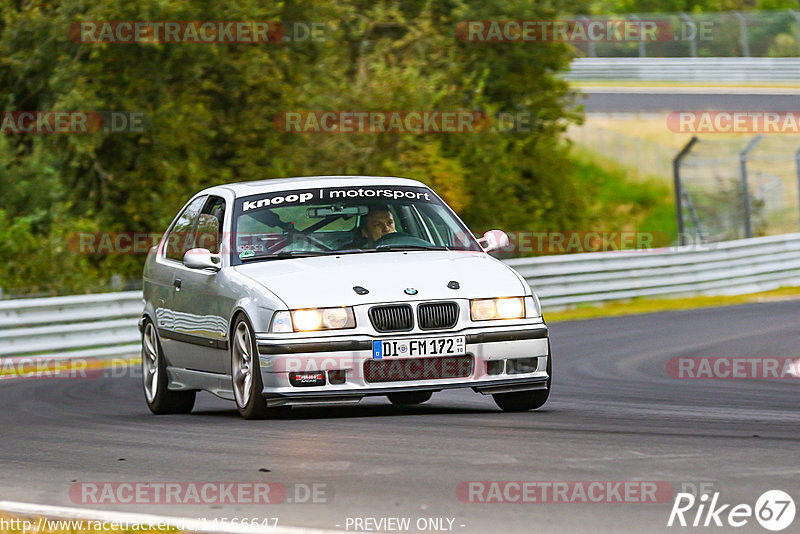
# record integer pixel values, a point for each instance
(737, 188)
(628, 150)
(712, 174)
(719, 34)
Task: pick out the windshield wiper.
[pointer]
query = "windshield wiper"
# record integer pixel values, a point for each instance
(392, 248)
(286, 254)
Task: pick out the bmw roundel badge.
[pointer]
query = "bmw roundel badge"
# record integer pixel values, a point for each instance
(410, 291)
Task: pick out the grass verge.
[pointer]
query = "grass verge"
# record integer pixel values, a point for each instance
(624, 199)
(650, 305)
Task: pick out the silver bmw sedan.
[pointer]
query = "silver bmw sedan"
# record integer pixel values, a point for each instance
(328, 289)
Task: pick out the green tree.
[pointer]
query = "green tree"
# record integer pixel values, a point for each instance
(210, 110)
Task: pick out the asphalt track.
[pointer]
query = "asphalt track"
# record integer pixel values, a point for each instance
(627, 101)
(614, 415)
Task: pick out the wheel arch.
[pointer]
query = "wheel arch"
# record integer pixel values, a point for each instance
(148, 313)
(237, 312)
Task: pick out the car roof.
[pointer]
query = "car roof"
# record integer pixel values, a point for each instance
(243, 189)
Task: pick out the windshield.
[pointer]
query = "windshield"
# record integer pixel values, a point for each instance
(345, 220)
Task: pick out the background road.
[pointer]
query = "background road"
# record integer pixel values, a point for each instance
(637, 100)
(614, 415)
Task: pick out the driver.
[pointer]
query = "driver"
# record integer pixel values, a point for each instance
(376, 224)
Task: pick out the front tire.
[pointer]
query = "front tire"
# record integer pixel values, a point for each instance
(522, 401)
(160, 399)
(246, 374)
(409, 397)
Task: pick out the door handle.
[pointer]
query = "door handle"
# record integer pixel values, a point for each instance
(177, 284)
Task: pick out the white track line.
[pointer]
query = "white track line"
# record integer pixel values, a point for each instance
(194, 525)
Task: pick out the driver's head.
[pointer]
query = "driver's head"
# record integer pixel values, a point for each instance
(377, 223)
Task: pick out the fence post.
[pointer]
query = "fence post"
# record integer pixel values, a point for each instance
(748, 230)
(693, 28)
(642, 49)
(676, 173)
(116, 282)
(592, 45)
(745, 38)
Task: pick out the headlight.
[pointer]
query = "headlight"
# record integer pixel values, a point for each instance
(501, 308)
(308, 320)
(282, 322)
(534, 311)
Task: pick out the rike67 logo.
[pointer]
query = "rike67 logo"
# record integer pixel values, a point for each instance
(774, 510)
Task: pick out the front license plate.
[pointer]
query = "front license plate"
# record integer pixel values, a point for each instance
(434, 346)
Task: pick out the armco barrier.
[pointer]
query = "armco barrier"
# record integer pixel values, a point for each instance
(686, 69)
(83, 326)
(104, 325)
(733, 267)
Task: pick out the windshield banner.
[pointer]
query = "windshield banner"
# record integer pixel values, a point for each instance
(369, 194)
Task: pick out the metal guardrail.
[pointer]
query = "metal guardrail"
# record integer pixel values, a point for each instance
(83, 326)
(687, 69)
(104, 325)
(727, 268)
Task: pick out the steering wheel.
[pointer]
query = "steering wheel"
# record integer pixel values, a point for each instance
(315, 241)
(401, 238)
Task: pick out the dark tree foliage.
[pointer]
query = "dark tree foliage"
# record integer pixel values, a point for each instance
(210, 111)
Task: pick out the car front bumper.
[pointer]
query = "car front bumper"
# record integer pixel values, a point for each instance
(345, 357)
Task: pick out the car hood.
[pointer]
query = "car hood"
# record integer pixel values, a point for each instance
(329, 280)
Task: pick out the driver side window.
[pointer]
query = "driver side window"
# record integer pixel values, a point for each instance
(181, 236)
(209, 225)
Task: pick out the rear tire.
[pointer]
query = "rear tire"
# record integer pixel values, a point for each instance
(522, 401)
(409, 397)
(160, 399)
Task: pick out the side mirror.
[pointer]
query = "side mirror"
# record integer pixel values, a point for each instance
(201, 258)
(494, 240)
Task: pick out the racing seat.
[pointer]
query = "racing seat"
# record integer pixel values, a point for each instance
(208, 234)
